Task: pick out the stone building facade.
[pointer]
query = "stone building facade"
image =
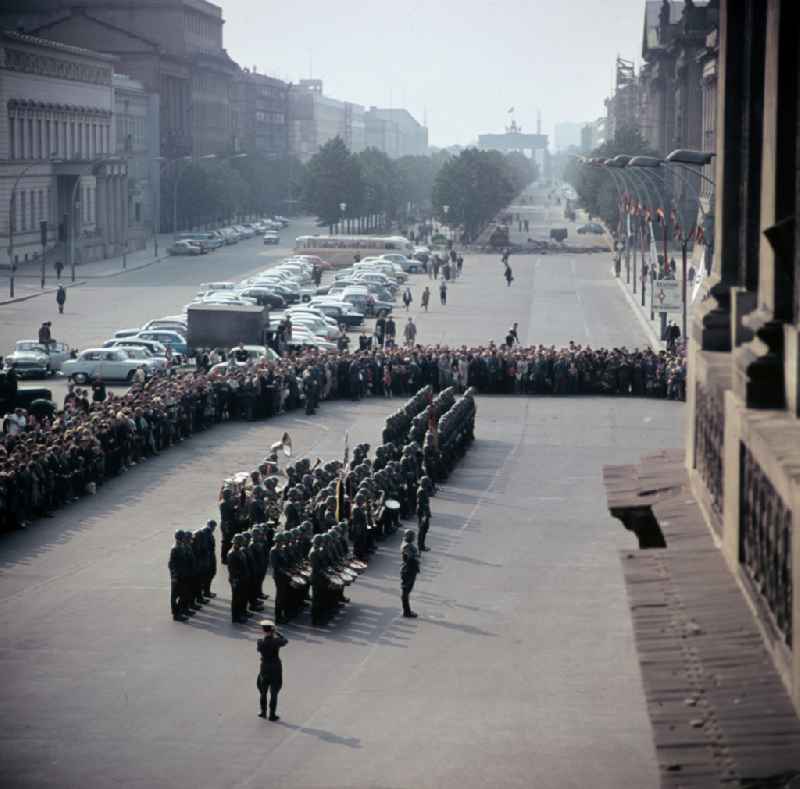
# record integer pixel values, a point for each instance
(57, 151)
(743, 387)
(173, 47)
(396, 132)
(260, 115)
(314, 119)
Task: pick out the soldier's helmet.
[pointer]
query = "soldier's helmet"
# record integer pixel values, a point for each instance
(409, 536)
(238, 539)
(178, 535)
(317, 541)
(211, 525)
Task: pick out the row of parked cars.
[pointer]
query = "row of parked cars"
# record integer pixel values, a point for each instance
(201, 243)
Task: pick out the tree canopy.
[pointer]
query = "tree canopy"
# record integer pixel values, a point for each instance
(599, 190)
(477, 184)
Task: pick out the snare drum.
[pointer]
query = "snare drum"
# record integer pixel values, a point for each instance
(391, 504)
(297, 582)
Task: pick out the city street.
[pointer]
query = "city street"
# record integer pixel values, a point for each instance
(521, 670)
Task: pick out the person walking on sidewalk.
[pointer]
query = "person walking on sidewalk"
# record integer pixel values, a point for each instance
(509, 275)
(61, 298)
(407, 298)
(443, 292)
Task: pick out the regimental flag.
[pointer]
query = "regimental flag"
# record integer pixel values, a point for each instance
(700, 236)
(340, 498)
(660, 215)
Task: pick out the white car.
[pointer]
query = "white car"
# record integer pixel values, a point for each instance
(31, 358)
(271, 237)
(108, 364)
(185, 247)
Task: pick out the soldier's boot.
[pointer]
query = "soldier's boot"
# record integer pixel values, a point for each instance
(407, 612)
(273, 706)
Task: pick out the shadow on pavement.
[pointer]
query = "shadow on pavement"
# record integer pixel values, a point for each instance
(326, 736)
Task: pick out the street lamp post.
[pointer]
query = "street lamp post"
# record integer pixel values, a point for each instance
(342, 209)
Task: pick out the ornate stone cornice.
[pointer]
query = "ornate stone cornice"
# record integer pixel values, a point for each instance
(58, 68)
(28, 105)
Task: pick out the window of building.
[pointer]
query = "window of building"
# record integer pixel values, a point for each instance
(42, 214)
(22, 213)
(49, 213)
(12, 138)
(30, 139)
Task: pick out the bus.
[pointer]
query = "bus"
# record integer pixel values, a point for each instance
(341, 250)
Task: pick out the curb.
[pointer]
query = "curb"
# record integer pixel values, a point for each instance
(84, 281)
(653, 339)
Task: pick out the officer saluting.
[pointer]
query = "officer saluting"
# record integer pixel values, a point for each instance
(270, 677)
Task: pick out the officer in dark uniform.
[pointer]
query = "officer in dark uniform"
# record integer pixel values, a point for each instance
(211, 549)
(229, 521)
(409, 571)
(270, 677)
(423, 512)
(177, 564)
(238, 574)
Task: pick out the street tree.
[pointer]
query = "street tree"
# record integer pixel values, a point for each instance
(333, 176)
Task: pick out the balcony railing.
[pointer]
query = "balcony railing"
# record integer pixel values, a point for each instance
(765, 542)
(709, 444)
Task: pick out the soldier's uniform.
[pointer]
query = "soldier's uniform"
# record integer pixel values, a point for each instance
(270, 675)
(409, 571)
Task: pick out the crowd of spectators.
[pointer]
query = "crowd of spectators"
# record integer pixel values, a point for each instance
(49, 457)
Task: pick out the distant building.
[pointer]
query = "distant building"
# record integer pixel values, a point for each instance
(260, 116)
(593, 135)
(567, 135)
(173, 47)
(58, 150)
(622, 107)
(513, 139)
(314, 119)
(136, 131)
(395, 132)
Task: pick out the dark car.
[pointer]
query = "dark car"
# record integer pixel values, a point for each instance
(287, 295)
(265, 297)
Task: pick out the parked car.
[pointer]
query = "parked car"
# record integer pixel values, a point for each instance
(31, 358)
(156, 349)
(205, 240)
(271, 237)
(110, 364)
(185, 248)
(169, 338)
(265, 297)
(229, 234)
(244, 232)
(284, 222)
(143, 356)
(118, 335)
(172, 324)
(340, 311)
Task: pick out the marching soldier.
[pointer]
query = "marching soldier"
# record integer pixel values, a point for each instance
(228, 515)
(280, 574)
(409, 571)
(211, 550)
(270, 677)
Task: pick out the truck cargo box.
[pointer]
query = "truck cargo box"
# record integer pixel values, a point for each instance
(226, 325)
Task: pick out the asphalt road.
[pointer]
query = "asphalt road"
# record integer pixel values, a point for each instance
(520, 672)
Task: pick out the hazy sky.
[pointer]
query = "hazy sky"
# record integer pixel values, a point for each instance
(464, 62)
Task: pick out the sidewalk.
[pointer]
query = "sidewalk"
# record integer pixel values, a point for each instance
(651, 325)
(28, 276)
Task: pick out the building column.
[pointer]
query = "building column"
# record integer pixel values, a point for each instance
(101, 203)
(759, 375)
